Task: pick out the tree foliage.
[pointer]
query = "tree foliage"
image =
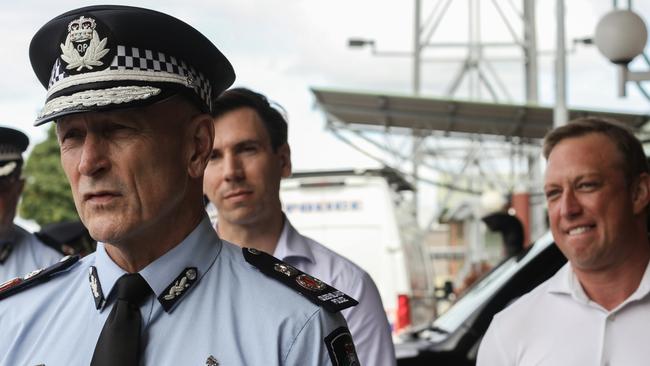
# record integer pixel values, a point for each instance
(47, 197)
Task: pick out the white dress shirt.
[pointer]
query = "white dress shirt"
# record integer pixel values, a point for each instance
(557, 324)
(367, 321)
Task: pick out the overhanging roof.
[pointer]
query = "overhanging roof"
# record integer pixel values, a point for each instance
(452, 116)
(393, 177)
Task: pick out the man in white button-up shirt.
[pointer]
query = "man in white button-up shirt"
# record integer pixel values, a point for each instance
(596, 309)
(250, 156)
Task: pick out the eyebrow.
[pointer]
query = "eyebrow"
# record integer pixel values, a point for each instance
(579, 177)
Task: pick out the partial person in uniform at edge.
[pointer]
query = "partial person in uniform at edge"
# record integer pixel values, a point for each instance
(20, 251)
(596, 309)
(242, 180)
(130, 91)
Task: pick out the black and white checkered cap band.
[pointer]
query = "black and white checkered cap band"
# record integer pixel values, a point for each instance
(10, 152)
(132, 64)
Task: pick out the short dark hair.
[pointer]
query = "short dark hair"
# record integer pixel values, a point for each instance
(271, 114)
(633, 157)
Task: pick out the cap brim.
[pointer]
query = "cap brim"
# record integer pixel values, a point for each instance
(98, 100)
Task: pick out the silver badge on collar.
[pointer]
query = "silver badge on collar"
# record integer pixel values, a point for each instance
(95, 287)
(178, 288)
(181, 284)
(83, 47)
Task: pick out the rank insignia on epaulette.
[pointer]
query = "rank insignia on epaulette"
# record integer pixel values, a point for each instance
(178, 288)
(285, 269)
(312, 288)
(95, 287)
(310, 283)
(17, 285)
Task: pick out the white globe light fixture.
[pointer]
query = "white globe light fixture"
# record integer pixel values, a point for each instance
(621, 35)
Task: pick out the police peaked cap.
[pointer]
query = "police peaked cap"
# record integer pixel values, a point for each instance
(105, 57)
(12, 145)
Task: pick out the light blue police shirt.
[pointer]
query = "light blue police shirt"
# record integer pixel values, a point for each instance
(22, 253)
(367, 321)
(231, 315)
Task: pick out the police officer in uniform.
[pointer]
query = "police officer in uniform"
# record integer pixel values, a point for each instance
(20, 251)
(130, 90)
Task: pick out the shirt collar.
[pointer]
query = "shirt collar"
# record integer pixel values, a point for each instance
(291, 244)
(563, 282)
(566, 282)
(199, 249)
(644, 286)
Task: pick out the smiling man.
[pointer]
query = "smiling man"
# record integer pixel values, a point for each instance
(596, 309)
(131, 93)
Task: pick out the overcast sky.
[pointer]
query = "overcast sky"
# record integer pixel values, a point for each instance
(284, 47)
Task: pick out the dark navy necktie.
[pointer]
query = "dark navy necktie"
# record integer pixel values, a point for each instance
(119, 341)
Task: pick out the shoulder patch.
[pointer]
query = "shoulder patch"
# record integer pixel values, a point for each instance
(36, 277)
(341, 348)
(312, 288)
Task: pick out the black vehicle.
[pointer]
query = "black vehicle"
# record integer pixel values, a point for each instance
(453, 338)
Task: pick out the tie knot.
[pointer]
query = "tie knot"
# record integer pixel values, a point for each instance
(132, 288)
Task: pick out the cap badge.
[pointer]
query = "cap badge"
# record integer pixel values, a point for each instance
(83, 47)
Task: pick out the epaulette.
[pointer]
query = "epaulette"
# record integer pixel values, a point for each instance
(36, 277)
(312, 288)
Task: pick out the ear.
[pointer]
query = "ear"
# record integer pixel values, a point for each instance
(641, 193)
(200, 147)
(284, 153)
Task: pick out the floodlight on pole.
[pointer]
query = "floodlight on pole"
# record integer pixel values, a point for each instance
(360, 42)
(621, 35)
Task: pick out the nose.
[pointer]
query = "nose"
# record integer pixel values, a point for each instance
(94, 159)
(233, 169)
(570, 205)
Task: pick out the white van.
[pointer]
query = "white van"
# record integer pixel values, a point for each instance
(362, 216)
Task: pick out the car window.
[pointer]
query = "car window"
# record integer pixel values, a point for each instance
(478, 294)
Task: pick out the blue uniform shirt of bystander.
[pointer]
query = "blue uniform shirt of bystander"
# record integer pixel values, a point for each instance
(22, 253)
